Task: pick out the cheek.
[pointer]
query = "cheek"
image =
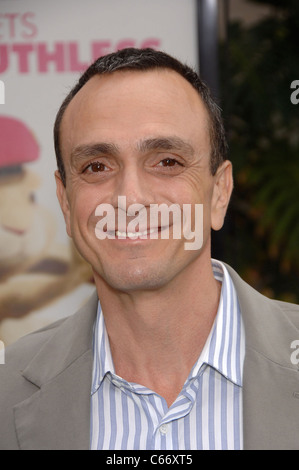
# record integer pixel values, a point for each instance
(191, 189)
(81, 208)
(197, 190)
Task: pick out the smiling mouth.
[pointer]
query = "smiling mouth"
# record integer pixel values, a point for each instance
(134, 235)
(150, 233)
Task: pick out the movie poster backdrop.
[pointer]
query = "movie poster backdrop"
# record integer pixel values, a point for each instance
(44, 47)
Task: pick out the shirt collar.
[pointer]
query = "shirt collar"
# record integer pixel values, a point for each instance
(224, 349)
(103, 362)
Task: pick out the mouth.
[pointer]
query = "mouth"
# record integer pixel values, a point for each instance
(134, 235)
(153, 233)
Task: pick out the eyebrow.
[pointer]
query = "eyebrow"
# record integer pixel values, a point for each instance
(86, 151)
(166, 143)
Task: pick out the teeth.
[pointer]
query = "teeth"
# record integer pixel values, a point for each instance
(134, 234)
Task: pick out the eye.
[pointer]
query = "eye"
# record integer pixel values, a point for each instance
(169, 163)
(95, 167)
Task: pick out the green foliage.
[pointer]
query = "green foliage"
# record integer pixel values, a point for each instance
(258, 65)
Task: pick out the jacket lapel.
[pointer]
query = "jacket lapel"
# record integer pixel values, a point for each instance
(270, 380)
(57, 415)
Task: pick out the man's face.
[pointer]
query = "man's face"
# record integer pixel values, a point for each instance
(145, 136)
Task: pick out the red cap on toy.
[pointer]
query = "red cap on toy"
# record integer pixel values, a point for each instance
(17, 143)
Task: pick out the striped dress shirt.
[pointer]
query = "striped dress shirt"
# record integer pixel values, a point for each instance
(207, 414)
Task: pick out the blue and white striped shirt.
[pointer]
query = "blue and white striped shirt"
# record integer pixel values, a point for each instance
(207, 414)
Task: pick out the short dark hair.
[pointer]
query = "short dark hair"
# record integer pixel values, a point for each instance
(143, 60)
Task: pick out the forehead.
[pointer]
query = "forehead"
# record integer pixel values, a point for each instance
(132, 104)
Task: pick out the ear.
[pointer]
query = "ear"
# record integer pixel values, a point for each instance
(63, 201)
(223, 186)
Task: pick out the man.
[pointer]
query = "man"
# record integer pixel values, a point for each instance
(174, 351)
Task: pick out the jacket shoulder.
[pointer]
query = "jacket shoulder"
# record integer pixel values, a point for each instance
(291, 311)
(37, 358)
(13, 386)
(18, 354)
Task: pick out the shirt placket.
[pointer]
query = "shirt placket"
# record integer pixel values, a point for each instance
(164, 437)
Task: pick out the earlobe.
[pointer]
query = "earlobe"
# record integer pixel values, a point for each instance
(221, 194)
(63, 201)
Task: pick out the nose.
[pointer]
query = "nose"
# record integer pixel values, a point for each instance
(134, 185)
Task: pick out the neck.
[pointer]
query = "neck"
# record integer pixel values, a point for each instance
(156, 337)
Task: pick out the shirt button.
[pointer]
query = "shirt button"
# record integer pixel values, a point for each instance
(163, 429)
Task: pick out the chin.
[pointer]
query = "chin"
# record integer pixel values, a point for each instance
(125, 280)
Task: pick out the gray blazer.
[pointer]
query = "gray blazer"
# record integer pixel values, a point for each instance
(46, 381)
